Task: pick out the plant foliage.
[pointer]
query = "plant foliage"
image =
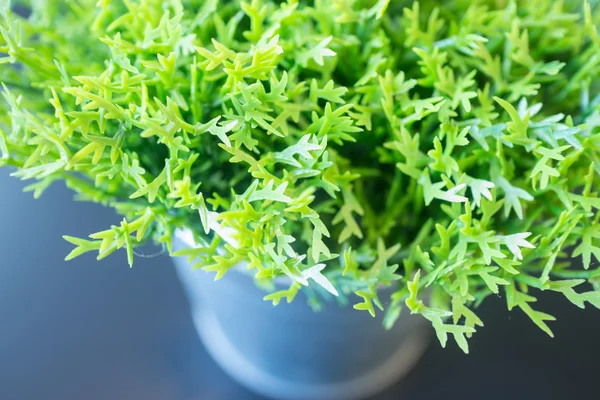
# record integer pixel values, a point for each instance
(437, 151)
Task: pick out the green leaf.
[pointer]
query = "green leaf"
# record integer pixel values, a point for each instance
(270, 193)
(512, 197)
(82, 246)
(480, 188)
(586, 249)
(379, 8)
(302, 149)
(543, 168)
(522, 300)
(434, 191)
(516, 241)
(288, 294)
(328, 92)
(369, 300)
(518, 125)
(317, 53)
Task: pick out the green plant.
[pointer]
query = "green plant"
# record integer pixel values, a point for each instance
(448, 148)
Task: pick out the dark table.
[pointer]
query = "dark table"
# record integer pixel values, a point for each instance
(87, 330)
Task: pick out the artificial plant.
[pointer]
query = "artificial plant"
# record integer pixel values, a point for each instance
(444, 150)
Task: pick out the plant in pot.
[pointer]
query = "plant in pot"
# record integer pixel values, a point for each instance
(405, 160)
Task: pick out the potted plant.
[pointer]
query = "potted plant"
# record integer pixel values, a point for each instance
(391, 157)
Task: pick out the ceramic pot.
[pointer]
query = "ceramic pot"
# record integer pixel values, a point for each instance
(291, 352)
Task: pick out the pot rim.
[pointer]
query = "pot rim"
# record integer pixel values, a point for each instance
(186, 236)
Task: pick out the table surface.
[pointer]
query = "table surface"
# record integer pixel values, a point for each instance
(99, 330)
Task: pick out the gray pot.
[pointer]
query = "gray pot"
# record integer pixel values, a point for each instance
(290, 351)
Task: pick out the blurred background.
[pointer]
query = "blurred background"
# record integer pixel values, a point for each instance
(99, 330)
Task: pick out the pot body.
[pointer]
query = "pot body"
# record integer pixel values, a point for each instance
(291, 352)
